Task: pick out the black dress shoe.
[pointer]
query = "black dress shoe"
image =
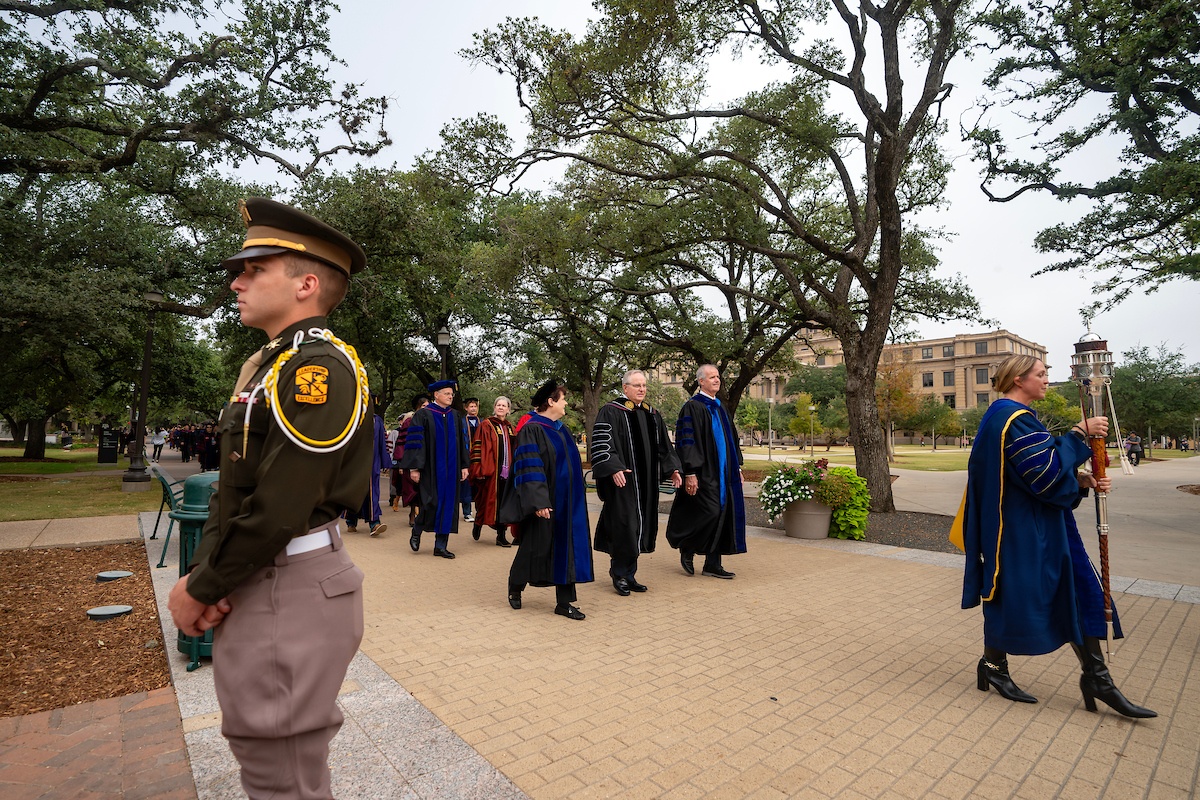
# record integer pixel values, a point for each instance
(717, 572)
(621, 586)
(475, 531)
(502, 541)
(514, 600)
(686, 560)
(634, 586)
(570, 612)
(442, 552)
(414, 542)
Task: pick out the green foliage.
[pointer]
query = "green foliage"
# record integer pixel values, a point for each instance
(1156, 391)
(822, 384)
(1060, 408)
(101, 86)
(1135, 64)
(849, 520)
(772, 198)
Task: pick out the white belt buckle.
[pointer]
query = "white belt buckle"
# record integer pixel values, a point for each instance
(309, 542)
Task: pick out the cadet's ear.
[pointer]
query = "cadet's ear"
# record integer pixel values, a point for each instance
(308, 287)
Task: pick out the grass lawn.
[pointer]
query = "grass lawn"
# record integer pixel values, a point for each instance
(925, 459)
(63, 498)
(57, 461)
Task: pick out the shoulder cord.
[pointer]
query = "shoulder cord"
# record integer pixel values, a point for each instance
(270, 389)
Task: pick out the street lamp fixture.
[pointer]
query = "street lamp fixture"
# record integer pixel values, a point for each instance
(137, 477)
(443, 346)
(812, 449)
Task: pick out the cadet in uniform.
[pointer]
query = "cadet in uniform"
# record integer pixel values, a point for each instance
(270, 573)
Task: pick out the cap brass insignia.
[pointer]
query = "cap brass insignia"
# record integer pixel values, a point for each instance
(244, 211)
(312, 385)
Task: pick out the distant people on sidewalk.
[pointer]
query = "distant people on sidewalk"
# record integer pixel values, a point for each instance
(491, 469)
(471, 420)
(381, 460)
(402, 483)
(157, 441)
(631, 454)
(1025, 560)
(710, 516)
(549, 506)
(1133, 448)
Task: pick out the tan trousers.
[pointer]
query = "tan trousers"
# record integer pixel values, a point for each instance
(279, 659)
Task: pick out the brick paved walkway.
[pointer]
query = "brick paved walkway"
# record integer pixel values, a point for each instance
(815, 673)
(126, 747)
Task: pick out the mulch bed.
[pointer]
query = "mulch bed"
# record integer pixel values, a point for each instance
(51, 654)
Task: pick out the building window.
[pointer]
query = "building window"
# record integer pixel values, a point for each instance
(820, 361)
(947, 351)
(908, 355)
(887, 358)
(981, 399)
(926, 379)
(948, 378)
(926, 352)
(981, 348)
(948, 399)
(981, 375)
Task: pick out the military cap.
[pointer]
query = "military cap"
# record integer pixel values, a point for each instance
(273, 228)
(433, 387)
(543, 394)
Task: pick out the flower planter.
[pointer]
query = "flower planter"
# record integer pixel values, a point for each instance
(807, 519)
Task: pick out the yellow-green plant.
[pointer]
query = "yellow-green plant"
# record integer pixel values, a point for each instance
(849, 520)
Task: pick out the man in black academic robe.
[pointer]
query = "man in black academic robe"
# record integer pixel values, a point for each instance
(710, 516)
(630, 454)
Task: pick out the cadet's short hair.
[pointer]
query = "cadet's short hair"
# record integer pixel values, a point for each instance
(333, 282)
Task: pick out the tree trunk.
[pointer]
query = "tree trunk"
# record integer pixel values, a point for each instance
(17, 426)
(35, 441)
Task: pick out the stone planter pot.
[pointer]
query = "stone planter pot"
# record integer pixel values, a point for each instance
(807, 519)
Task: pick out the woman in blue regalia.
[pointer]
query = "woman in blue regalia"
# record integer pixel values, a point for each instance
(1025, 561)
(547, 500)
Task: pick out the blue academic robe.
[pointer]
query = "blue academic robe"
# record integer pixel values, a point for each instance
(547, 473)
(1025, 559)
(713, 520)
(436, 445)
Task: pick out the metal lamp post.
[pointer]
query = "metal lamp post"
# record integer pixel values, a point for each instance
(770, 426)
(812, 445)
(137, 478)
(443, 346)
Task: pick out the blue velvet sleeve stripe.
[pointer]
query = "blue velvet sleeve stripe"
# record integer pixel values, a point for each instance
(525, 450)
(1035, 460)
(529, 476)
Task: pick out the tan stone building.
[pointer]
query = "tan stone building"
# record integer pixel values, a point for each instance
(955, 369)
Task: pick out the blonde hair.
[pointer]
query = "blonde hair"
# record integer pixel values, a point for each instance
(1010, 369)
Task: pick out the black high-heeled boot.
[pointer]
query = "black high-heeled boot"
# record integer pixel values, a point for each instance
(993, 671)
(1096, 682)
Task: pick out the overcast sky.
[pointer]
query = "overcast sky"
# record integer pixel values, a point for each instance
(409, 52)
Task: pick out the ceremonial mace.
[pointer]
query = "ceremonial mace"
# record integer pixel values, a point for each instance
(1092, 369)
